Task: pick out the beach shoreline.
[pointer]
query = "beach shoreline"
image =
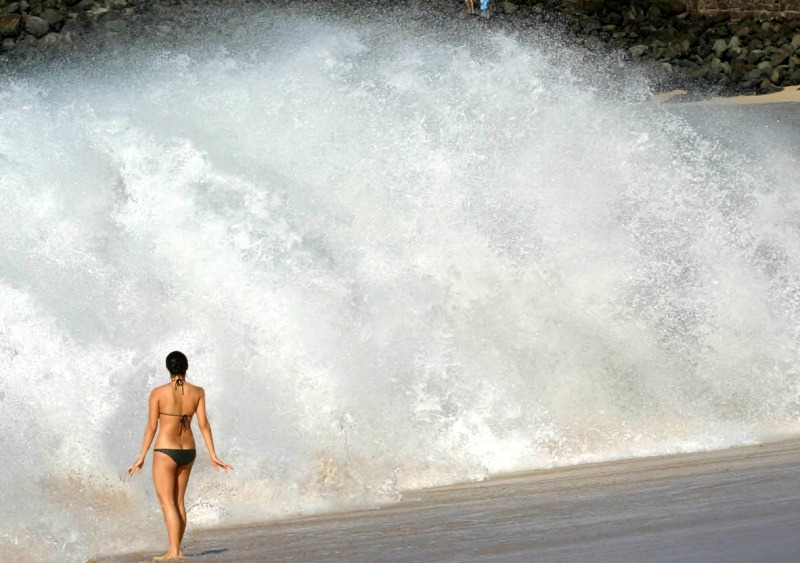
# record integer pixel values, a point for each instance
(789, 94)
(735, 504)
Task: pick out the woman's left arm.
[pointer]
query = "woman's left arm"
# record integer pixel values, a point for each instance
(149, 433)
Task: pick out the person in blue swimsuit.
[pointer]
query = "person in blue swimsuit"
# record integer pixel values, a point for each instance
(172, 406)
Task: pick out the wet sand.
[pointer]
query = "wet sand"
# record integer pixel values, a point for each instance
(789, 94)
(741, 504)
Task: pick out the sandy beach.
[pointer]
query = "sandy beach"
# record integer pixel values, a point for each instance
(790, 94)
(740, 504)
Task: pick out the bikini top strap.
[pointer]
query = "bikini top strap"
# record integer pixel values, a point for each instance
(179, 383)
(185, 422)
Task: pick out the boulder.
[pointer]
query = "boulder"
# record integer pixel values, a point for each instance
(767, 87)
(53, 18)
(779, 57)
(673, 8)
(638, 50)
(10, 25)
(742, 30)
(755, 56)
(733, 52)
(72, 26)
(36, 26)
(719, 47)
(738, 67)
(509, 7)
(12, 8)
(752, 75)
(49, 39)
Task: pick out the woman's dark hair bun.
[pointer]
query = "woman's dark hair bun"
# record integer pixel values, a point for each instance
(177, 364)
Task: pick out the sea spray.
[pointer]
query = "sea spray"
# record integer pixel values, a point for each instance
(394, 259)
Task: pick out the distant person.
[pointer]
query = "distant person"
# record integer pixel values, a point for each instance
(470, 6)
(485, 8)
(172, 405)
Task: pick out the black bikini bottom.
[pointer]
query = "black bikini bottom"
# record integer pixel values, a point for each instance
(181, 457)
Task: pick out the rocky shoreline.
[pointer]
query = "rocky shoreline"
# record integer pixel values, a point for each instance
(677, 48)
(746, 55)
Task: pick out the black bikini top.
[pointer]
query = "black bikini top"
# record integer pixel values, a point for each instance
(186, 419)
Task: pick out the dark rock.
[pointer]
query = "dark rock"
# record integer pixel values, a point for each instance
(738, 67)
(12, 8)
(673, 8)
(733, 52)
(72, 26)
(779, 57)
(71, 2)
(25, 41)
(754, 56)
(753, 75)
(638, 50)
(36, 26)
(719, 47)
(24, 6)
(10, 25)
(742, 31)
(654, 12)
(767, 87)
(49, 39)
(764, 68)
(54, 18)
(591, 25)
(509, 7)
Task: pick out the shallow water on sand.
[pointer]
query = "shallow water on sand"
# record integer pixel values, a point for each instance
(737, 505)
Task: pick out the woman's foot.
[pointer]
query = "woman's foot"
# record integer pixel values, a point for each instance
(169, 556)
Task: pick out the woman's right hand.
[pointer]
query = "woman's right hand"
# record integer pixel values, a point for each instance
(135, 466)
(218, 464)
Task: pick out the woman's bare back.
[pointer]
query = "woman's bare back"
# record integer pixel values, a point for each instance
(177, 404)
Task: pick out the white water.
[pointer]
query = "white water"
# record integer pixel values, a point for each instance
(394, 259)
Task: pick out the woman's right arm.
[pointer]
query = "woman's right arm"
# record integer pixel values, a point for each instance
(149, 433)
(205, 430)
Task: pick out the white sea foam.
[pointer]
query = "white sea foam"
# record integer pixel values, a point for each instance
(394, 260)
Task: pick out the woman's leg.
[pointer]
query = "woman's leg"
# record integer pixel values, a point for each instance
(183, 479)
(165, 481)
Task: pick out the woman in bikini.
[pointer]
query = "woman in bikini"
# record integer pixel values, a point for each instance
(172, 406)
